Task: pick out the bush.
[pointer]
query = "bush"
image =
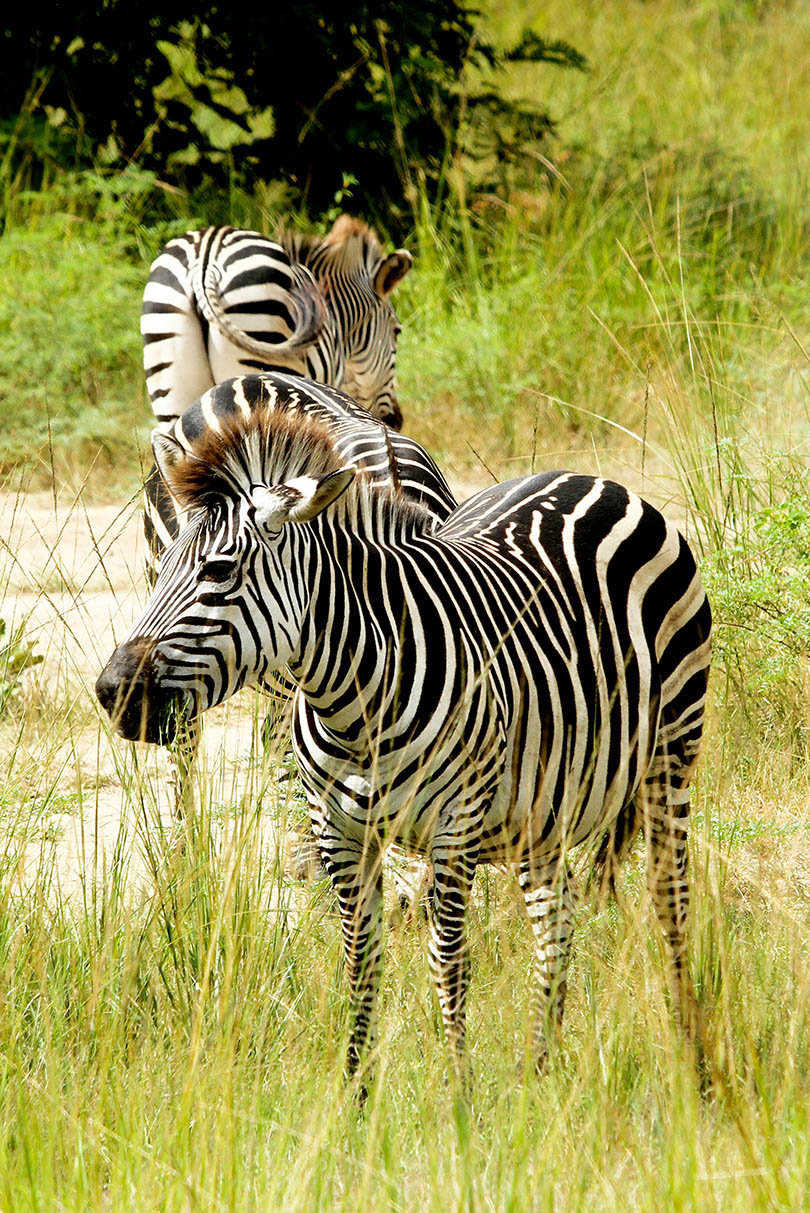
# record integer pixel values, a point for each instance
(384, 99)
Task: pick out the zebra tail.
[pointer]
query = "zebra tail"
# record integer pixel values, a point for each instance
(305, 297)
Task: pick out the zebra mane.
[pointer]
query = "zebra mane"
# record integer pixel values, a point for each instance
(265, 447)
(351, 245)
(269, 446)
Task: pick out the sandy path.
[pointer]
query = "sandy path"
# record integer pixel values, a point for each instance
(72, 574)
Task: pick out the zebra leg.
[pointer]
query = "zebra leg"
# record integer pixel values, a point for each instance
(356, 874)
(550, 903)
(182, 754)
(666, 816)
(454, 862)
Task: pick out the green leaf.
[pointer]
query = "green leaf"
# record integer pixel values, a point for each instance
(220, 132)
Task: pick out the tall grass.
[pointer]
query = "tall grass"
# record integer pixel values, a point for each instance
(173, 1006)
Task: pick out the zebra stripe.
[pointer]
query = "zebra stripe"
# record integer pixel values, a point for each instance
(523, 678)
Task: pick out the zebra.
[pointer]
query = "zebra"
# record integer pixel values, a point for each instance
(526, 677)
(389, 459)
(223, 301)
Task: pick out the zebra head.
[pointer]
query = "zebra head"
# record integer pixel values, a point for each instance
(226, 608)
(357, 280)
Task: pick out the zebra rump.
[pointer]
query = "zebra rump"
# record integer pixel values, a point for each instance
(222, 302)
(524, 677)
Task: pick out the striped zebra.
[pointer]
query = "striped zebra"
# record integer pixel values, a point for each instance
(222, 302)
(523, 678)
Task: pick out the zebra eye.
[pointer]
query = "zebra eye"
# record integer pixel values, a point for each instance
(216, 569)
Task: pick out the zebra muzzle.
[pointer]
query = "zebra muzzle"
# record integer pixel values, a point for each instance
(128, 690)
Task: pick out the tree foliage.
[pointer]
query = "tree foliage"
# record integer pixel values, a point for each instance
(383, 95)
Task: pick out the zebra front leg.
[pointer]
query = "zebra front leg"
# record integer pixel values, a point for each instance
(182, 754)
(356, 874)
(454, 862)
(549, 902)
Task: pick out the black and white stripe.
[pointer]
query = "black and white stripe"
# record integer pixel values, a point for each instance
(527, 676)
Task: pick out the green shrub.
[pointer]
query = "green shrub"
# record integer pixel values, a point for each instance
(16, 656)
(760, 590)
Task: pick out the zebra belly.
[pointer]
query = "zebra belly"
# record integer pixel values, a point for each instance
(399, 797)
(561, 785)
(534, 802)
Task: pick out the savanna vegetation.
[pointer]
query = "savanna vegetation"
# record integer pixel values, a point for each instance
(608, 208)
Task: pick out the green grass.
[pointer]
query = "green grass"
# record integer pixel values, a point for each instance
(181, 1044)
(174, 1014)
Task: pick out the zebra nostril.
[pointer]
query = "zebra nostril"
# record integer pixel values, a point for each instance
(121, 695)
(107, 687)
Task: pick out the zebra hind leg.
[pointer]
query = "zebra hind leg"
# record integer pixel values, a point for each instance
(548, 895)
(665, 813)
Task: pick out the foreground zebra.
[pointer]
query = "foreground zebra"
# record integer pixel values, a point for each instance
(528, 675)
(389, 459)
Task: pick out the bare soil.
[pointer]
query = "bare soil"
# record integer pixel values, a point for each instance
(72, 575)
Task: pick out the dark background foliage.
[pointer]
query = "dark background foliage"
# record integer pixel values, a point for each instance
(378, 98)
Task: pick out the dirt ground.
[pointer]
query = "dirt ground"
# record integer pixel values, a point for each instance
(72, 574)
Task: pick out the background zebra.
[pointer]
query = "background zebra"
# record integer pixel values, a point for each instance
(221, 302)
(528, 675)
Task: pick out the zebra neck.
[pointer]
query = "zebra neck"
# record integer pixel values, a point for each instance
(324, 358)
(358, 638)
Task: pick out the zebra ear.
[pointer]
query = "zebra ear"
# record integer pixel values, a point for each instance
(169, 455)
(391, 271)
(298, 500)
